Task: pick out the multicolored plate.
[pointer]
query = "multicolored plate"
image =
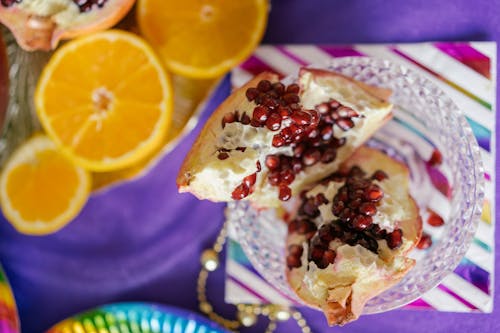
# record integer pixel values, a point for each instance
(136, 318)
(9, 321)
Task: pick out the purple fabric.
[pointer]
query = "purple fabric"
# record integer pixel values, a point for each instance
(141, 241)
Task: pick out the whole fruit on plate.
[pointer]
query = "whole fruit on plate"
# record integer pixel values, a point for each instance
(41, 24)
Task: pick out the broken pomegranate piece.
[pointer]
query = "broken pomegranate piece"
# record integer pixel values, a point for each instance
(355, 229)
(299, 133)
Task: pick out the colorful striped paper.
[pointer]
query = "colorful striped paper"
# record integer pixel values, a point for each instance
(9, 322)
(466, 73)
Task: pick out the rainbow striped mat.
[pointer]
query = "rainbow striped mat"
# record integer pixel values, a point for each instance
(464, 71)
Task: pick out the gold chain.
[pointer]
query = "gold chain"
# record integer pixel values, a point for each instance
(247, 313)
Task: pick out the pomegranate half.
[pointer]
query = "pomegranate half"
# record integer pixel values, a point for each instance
(41, 24)
(268, 140)
(351, 235)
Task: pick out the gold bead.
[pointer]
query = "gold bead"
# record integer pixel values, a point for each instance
(205, 307)
(210, 260)
(281, 314)
(247, 319)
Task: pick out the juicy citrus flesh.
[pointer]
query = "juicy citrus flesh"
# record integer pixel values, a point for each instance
(203, 38)
(41, 190)
(105, 100)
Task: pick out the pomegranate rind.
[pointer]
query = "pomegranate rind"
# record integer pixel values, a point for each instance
(218, 186)
(347, 293)
(36, 32)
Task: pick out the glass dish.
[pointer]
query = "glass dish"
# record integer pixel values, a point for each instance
(425, 119)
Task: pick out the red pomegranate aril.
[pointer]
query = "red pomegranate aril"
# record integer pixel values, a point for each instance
(320, 199)
(353, 204)
(291, 98)
(313, 133)
(325, 234)
(287, 177)
(251, 94)
(361, 222)
(346, 112)
(228, 118)
(326, 133)
(368, 208)
(259, 167)
(338, 207)
(240, 192)
(435, 220)
(260, 113)
(273, 123)
(328, 257)
(269, 102)
(374, 193)
(285, 193)
(379, 175)
(338, 142)
(293, 261)
(334, 104)
(311, 156)
(245, 119)
(296, 165)
(272, 162)
(301, 117)
(295, 106)
(284, 112)
(436, 158)
(279, 88)
(347, 214)
(274, 178)
(394, 239)
(222, 155)
(299, 149)
(255, 123)
(293, 226)
(323, 108)
(250, 180)
(296, 250)
(316, 253)
(328, 155)
(278, 141)
(293, 88)
(345, 123)
(424, 242)
(309, 208)
(264, 86)
(343, 194)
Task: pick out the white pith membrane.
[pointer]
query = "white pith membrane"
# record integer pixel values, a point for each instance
(209, 177)
(357, 274)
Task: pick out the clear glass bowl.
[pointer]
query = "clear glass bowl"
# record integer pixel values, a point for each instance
(424, 119)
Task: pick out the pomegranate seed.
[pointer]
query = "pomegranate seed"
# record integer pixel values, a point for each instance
(222, 155)
(285, 193)
(278, 141)
(284, 112)
(293, 88)
(369, 243)
(260, 113)
(338, 142)
(424, 242)
(328, 119)
(309, 208)
(316, 253)
(274, 178)
(345, 123)
(379, 175)
(296, 250)
(273, 122)
(356, 172)
(361, 222)
(343, 194)
(435, 220)
(260, 98)
(326, 133)
(279, 88)
(251, 94)
(293, 261)
(325, 233)
(374, 193)
(227, 119)
(328, 257)
(291, 98)
(295, 106)
(245, 119)
(323, 108)
(436, 158)
(293, 226)
(269, 102)
(328, 155)
(338, 207)
(264, 86)
(272, 162)
(301, 117)
(311, 156)
(299, 149)
(296, 165)
(320, 199)
(242, 149)
(395, 239)
(250, 180)
(353, 204)
(368, 208)
(346, 112)
(334, 104)
(347, 214)
(287, 177)
(240, 192)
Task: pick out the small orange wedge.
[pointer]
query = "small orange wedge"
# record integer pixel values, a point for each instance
(105, 100)
(40, 189)
(203, 39)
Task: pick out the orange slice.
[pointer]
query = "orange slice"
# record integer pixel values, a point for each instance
(203, 39)
(40, 189)
(105, 100)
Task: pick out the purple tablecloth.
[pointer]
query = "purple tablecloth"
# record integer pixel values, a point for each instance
(141, 241)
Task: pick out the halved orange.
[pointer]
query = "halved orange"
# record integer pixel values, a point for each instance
(202, 39)
(40, 189)
(105, 100)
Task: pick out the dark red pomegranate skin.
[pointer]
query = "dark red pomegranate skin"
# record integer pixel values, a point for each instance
(353, 225)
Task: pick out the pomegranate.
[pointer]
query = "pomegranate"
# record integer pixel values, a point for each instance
(298, 132)
(344, 247)
(40, 25)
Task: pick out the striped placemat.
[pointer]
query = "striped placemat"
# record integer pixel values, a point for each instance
(466, 72)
